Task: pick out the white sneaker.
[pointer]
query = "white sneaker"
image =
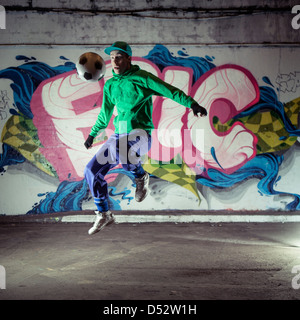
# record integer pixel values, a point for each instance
(102, 219)
(142, 189)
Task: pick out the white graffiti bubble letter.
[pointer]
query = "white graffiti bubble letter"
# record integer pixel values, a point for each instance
(2, 18)
(296, 19)
(2, 278)
(296, 279)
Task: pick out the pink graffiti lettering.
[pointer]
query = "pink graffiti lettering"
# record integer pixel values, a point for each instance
(65, 108)
(225, 92)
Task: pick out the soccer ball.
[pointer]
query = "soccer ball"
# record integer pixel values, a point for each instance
(90, 67)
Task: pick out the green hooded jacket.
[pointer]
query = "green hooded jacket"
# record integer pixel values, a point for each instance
(131, 92)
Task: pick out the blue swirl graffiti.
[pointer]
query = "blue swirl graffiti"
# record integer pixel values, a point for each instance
(162, 57)
(264, 167)
(68, 197)
(27, 77)
(124, 196)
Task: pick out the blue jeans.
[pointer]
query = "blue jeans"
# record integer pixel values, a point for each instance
(126, 149)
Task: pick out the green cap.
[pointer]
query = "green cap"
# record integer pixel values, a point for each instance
(121, 46)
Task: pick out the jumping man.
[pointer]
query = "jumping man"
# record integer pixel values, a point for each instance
(130, 90)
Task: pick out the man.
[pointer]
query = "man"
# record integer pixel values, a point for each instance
(130, 90)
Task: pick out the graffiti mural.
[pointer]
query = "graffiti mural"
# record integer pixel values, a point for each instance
(244, 137)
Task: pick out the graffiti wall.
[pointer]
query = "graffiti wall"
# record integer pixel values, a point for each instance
(243, 156)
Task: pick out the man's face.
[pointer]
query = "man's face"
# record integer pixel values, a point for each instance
(120, 61)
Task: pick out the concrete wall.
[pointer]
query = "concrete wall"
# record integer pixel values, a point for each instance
(240, 59)
(149, 22)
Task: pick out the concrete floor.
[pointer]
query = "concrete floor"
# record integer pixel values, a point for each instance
(151, 261)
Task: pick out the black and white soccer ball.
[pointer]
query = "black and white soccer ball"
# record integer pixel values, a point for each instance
(90, 67)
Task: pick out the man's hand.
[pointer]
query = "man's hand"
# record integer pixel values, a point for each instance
(89, 141)
(198, 109)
